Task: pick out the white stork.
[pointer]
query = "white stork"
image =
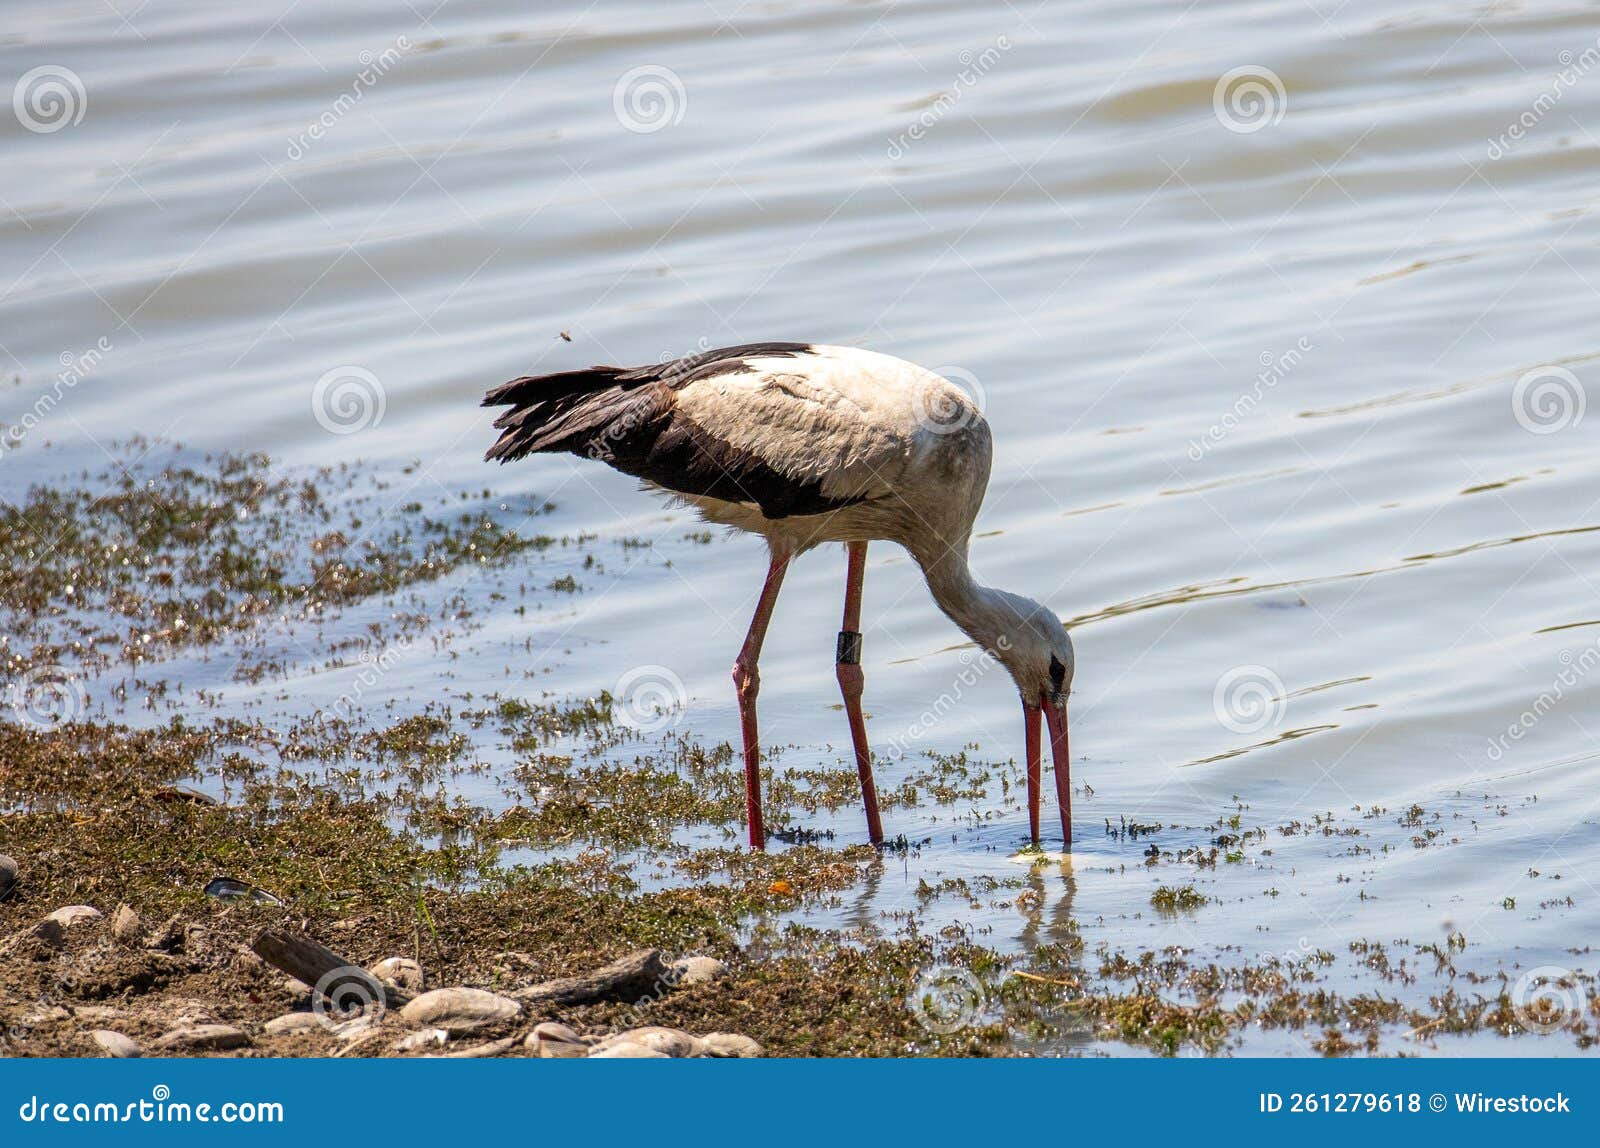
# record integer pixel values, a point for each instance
(803, 445)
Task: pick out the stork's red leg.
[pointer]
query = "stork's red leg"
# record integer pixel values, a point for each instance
(852, 680)
(747, 682)
(1030, 724)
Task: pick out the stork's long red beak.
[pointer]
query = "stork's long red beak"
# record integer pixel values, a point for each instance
(1055, 717)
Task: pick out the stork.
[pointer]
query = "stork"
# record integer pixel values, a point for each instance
(804, 444)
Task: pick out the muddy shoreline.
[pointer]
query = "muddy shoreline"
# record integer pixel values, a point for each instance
(348, 826)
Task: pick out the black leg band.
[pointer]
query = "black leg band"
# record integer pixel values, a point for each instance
(849, 652)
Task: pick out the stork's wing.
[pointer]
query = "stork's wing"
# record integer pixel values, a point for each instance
(788, 427)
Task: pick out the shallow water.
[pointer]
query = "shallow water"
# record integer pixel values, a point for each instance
(1287, 393)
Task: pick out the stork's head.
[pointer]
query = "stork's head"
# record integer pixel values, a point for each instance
(1037, 650)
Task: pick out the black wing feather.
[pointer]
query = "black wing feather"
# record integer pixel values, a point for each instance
(628, 417)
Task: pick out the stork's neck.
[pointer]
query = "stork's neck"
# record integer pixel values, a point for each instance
(985, 615)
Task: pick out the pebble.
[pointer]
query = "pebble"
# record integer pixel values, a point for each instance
(115, 1043)
(293, 1024)
(401, 972)
(126, 926)
(203, 1038)
(667, 1041)
(460, 1010)
(70, 915)
(553, 1040)
(627, 1050)
(728, 1044)
(698, 970)
(422, 1039)
(8, 875)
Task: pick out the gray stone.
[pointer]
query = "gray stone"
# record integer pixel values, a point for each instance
(115, 1043)
(203, 1038)
(8, 875)
(460, 1010)
(553, 1040)
(126, 928)
(70, 915)
(401, 972)
(555, 1030)
(293, 1024)
(698, 970)
(728, 1044)
(667, 1041)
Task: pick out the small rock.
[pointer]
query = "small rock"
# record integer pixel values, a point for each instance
(728, 1044)
(460, 1010)
(553, 1040)
(126, 926)
(8, 875)
(555, 1030)
(115, 1043)
(698, 970)
(627, 1050)
(203, 1038)
(560, 1050)
(401, 972)
(293, 1024)
(70, 915)
(437, 1037)
(51, 932)
(668, 1041)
